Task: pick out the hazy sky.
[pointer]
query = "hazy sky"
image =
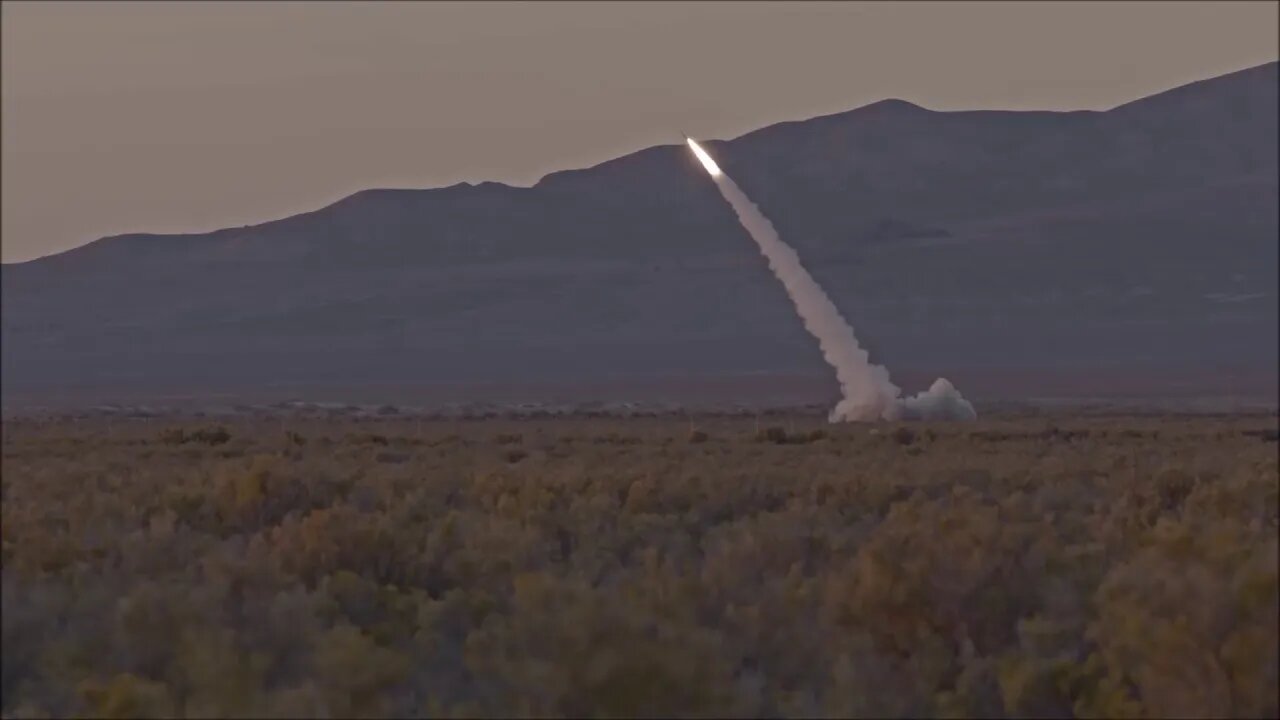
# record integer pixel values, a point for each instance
(158, 117)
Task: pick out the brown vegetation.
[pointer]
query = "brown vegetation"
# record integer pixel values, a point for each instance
(1096, 568)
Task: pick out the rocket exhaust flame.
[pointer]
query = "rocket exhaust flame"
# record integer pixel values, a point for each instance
(868, 393)
(702, 155)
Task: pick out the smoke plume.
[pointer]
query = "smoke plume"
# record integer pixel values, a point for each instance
(868, 393)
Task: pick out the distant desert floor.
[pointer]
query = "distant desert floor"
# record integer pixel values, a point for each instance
(577, 566)
(1225, 390)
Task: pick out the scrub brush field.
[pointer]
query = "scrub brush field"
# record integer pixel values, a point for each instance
(663, 566)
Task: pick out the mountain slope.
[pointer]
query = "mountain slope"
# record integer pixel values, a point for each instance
(1093, 244)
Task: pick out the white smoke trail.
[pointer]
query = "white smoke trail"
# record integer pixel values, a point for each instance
(868, 393)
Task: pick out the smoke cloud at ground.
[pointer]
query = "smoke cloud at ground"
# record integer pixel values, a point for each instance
(868, 393)
(940, 402)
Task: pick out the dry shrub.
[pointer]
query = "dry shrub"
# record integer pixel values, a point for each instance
(205, 436)
(772, 434)
(903, 436)
(780, 436)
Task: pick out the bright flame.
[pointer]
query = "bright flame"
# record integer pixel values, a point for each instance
(707, 162)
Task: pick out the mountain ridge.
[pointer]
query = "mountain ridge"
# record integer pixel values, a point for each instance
(1035, 240)
(886, 104)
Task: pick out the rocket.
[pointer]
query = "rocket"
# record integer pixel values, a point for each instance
(702, 156)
